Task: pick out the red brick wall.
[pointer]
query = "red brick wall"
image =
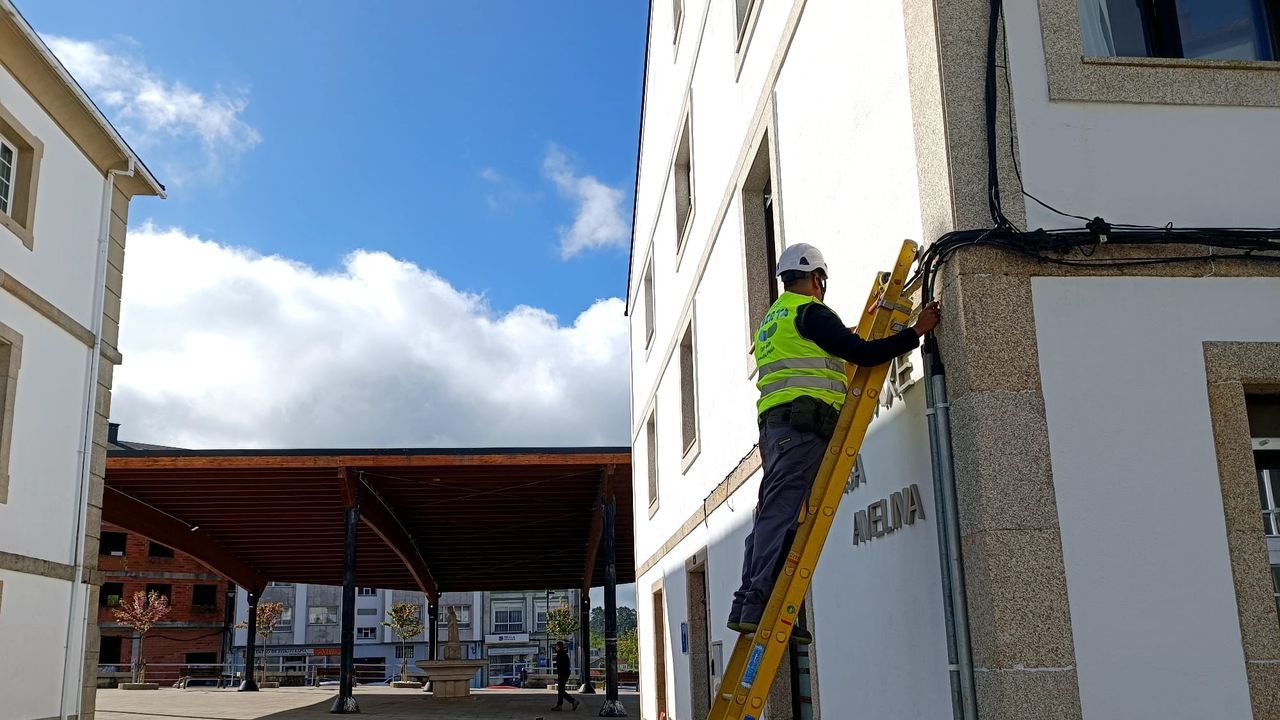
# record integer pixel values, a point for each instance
(186, 629)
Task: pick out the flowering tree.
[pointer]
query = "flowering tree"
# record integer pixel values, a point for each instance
(141, 613)
(269, 617)
(562, 622)
(405, 620)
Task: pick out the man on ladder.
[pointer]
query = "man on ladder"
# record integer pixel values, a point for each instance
(801, 349)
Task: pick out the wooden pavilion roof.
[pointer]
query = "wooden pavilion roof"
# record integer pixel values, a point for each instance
(432, 519)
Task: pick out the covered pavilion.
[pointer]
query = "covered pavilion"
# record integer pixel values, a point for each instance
(434, 520)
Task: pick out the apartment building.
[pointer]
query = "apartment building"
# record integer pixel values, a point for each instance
(509, 629)
(191, 640)
(1111, 404)
(66, 180)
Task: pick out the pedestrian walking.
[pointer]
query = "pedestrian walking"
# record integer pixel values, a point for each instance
(562, 678)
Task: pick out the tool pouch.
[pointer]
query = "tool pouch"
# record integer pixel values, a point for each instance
(812, 415)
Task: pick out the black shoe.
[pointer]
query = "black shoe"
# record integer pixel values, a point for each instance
(800, 636)
(575, 705)
(555, 708)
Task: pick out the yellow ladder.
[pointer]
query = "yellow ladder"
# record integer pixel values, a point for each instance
(756, 657)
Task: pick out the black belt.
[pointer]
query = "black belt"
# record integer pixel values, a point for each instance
(777, 415)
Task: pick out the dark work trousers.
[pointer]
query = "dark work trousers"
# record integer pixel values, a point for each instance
(562, 694)
(791, 459)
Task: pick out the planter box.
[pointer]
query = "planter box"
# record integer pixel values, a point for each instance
(412, 684)
(139, 686)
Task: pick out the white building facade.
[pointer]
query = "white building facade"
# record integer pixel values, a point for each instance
(1111, 424)
(66, 179)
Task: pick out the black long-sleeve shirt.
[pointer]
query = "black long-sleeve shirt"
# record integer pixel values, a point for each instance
(820, 325)
(562, 664)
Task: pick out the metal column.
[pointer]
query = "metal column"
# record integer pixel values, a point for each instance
(346, 701)
(584, 642)
(250, 647)
(433, 627)
(612, 706)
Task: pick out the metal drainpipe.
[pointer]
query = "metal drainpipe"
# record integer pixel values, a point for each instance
(955, 604)
(86, 455)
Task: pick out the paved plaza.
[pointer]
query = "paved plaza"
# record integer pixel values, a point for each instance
(314, 703)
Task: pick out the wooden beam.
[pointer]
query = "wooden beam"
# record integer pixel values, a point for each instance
(597, 525)
(136, 516)
(382, 520)
(248, 460)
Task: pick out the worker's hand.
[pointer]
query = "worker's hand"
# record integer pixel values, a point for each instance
(929, 318)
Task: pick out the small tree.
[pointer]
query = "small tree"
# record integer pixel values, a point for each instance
(141, 613)
(405, 621)
(269, 617)
(562, 622)
(628, 648)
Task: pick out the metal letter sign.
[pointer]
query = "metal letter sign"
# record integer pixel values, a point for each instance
(684, 638)
(884, 517)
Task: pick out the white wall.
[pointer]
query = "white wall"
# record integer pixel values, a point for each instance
(1140, 164)
(1149, 581)
(33, 628)
(846, 181)
(68, 212)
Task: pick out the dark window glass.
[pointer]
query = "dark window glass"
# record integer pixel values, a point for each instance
(204, 595)
(202, 658)
(109, 649)
(111, 594)
(1212, 29)
(159, 551)
(113, 543)
(164, 589)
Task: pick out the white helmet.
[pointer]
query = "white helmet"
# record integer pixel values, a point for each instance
(803, 257)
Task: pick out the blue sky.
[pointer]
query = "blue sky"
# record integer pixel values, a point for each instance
(417, 128)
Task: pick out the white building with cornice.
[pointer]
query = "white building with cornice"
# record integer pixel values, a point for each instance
(1112, 387)
(66, 179)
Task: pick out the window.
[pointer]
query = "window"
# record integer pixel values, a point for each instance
(202, 658)
(406, 651)
(759, 238)
(508, 617)
(164, 589)
(286, 620)
(279, 584)
(322, 615)
(1211, 29)
(677, 18)
(20, 154)
(1264, 427)
(651, 449)
(110, 649)
(366, 611)
(366, 592)
(688, 391)
(8, 168)
(463, 613)
(10, 360)
(647, 289)
(113, 543)
(683, 172)
(204, 596)
(366, 633)
(743, 17)
(156, 550)
(111, 594)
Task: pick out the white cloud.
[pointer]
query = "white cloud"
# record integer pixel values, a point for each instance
(599, 222)
(227, 348)
(154, 113)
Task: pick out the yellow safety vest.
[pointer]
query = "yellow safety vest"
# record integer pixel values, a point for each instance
(788, 366)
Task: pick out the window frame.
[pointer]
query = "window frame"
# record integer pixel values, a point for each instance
(649, 301)
(690, 436)
(164, 589)
(762, 236)
(1163, 34)
(366, 633)
(508, 606)
(682, 172)
(19, 218)
(6, 201)
(165, 553)
(1076, 77)
(366, 592)
(103, 547)
(10, 364)
(1268, 480)
(286, 620)
(332, 613)
(651, 455)
(104, 597)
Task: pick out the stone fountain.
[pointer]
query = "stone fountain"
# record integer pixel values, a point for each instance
(451, 677)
